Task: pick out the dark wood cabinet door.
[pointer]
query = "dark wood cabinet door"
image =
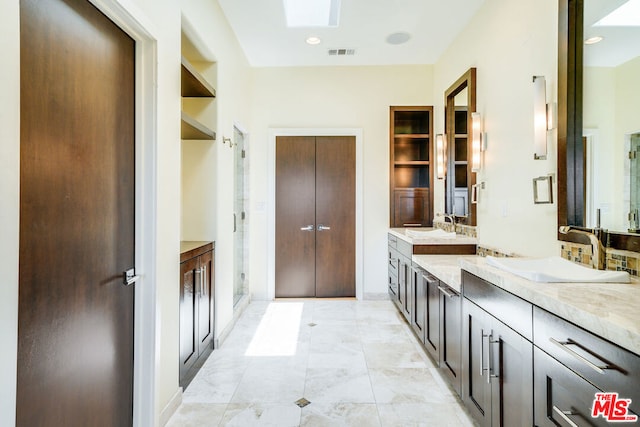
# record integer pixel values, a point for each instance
(511, 374)
(295, 212)
(476, 388)
(451, 337)
(335, 216)
(405, 288)
(205, 301)
(561, 396)
(419, 302)
(412, 208)
(432, 327)
(189, 306)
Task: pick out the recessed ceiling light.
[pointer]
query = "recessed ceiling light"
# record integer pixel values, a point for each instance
(312, 13)
(313, 40)
(398, 38)
(594, 40)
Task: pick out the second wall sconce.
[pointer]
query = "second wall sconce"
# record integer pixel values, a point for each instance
(476, 141)
(544, 117)
(441, 160)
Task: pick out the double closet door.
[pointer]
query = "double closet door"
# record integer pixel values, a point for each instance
(315, 216)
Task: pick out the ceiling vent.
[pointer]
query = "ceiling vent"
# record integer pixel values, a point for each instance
(341, 52)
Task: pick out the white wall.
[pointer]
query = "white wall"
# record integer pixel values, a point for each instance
(508, 42)
(333, 97)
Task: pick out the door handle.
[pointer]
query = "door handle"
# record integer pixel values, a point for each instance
(323, 227)
(129, 277)
(307, 228)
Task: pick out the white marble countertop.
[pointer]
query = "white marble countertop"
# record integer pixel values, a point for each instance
(445, 267)
(610, 310)
(459, 239)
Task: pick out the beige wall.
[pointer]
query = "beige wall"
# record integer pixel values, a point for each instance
(333, 97)
(508, 42)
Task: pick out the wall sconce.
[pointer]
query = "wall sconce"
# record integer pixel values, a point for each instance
(441, 149)
(544, 117)
(476, 141)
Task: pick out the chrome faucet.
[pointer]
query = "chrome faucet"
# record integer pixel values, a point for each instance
(450, 217)
(596, 243)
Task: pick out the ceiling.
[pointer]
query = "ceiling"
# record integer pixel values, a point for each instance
(620, 44)
(364, 25)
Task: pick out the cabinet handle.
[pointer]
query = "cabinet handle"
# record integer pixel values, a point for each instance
(323, 227)
(446, 292)
(489, 369)
(564, 415)
(482, 337)
(307, 228)
(197, 285)
(203, 287)
(563, 345)
(411, 224)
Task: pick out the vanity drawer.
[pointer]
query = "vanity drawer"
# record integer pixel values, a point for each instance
(405, 249)
(606, 365)
(393, 262)
(393, 240)
(508, 308)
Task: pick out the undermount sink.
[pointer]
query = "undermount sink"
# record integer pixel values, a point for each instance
(556, 269)
(436, 233)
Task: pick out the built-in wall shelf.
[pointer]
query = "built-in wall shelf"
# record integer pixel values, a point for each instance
(194, 85)
(411, 172)
(193, 129)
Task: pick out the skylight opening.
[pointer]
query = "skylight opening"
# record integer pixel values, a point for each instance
(627, 15)
(312, 13)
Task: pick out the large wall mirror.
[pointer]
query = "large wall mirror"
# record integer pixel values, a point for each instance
(460, 102)
(599, 114)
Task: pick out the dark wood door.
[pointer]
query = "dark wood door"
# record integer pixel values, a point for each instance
(188, 313)
(205, 301)
(432, 329)
(451, 336)
(476, 387)
(295, 216)
(77, 199)
(335, 210)
(315, 216)
(419, 307)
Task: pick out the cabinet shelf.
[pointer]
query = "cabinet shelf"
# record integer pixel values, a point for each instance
(194, 85)
(412, 163)
(411, 136)
(193, 129)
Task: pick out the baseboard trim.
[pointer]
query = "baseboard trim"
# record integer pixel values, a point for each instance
(376, 296)
(237, 311)
(171, 407)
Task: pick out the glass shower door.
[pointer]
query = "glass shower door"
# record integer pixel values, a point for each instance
(239, 227)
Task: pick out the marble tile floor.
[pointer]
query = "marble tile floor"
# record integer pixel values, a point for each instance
(357, 362)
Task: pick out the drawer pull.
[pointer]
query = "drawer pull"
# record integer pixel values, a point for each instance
(565, 415)
(564, 345)
(447, 293)
(482, 368)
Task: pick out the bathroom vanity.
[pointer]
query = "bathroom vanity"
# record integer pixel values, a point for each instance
(537, 353)
(519, 352)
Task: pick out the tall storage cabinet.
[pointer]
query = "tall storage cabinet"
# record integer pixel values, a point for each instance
(196, 307)
(411, 169)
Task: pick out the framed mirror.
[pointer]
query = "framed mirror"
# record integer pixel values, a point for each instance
(599, 114)
(460, 102)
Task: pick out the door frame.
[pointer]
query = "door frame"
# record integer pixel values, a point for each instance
(271, 199)
(128, 17)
